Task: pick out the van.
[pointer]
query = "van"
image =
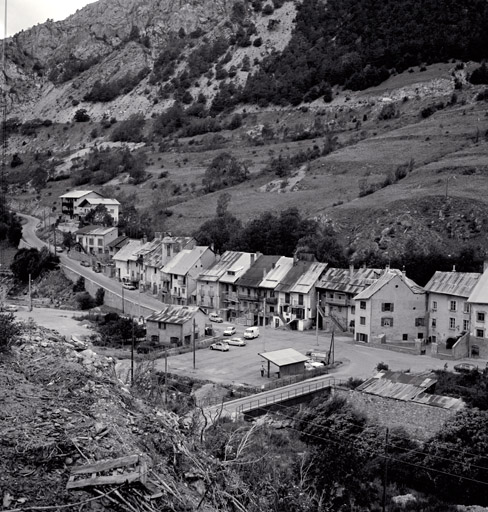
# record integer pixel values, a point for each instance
(251, 332)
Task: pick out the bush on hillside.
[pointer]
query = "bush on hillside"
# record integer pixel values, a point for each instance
(9, 330)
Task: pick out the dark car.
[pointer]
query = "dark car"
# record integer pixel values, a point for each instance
(85, 263)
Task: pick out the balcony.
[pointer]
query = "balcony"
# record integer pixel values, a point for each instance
(249, 298)
(335, 301)
(230, 297)
(272, 300)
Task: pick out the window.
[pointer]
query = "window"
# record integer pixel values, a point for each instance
(162, 326)
(419, 322)
(387, 322)
(452, 305)
(362, 320)
(100, 242)
(466, 325)
(452, 323)
(300, 299)
(480, 333)
(361, 337)
(466, 307)
(405, 337)
(362, 304)
(387, 306)
(434, 322)
(480, 316)
(353, 309)
(434, 305)
(90, 241)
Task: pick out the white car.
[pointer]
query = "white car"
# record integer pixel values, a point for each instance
(220, 345)
(238, 342)
(312, 365)
(129, 286)
(230, 331)
(10, 307)
(213, 317)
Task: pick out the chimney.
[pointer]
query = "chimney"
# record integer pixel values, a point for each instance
(351, 271)
(264, 273)
(253, 256)
(454, 268)
(404, 272)
(158, 235)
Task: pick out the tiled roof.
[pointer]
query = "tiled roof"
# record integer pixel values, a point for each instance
(128, 252)
(257, 271)
(479, 295)
(385, 279)
(99, 200)
(408, 387)
(77, 194)
(460, 284)
(184, 261)
(173, 314)
(228, 261)
(301, 277)
(351, 280)
(277, 273)
(94, 230)
(120, 241)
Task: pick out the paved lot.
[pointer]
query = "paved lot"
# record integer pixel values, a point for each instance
(242, 365)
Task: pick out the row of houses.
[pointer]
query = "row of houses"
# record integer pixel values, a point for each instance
(375, 305)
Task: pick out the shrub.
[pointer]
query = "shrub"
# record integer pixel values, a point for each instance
(79, 286)
(479, 75)
(81, 116)
(268, 9)
(85, 301)
(9, 330)
(99, 296)
(388, 111)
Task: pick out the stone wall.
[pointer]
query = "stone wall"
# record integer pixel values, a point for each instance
(111, 299)
(419, 420)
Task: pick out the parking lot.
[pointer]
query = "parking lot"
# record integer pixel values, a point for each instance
(242, 365)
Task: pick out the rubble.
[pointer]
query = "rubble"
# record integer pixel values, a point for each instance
(63, 412)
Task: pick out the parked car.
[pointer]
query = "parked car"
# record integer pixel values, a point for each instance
(213, 317)
(465, 367)
(129, 286)
(97, 269)
(10, 307)
(312, 365)
(84, 263)
(238, 342)
(230, 331)
(59, 248)
(220, 345)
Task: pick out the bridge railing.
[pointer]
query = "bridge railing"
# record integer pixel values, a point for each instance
(263, 401)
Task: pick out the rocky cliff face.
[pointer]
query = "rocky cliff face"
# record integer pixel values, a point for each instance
(110, 38)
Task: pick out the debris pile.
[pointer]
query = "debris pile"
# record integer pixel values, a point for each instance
(73, 436)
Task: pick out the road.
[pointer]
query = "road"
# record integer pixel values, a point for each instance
(30, 239)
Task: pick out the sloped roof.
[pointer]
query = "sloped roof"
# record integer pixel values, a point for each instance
(408, 387)
(385, 279)
(260, 267)
(99, 200)
(120, 241)
(284, 356)
(184, 260)
(154, 256)
(128, 252)
(301, 277)
(460, 284)
(149, 247)
(95, 230)
(352, 281)
(174, 314)
(479, 294)
(77, 194)
(228, 261)
(277, 273)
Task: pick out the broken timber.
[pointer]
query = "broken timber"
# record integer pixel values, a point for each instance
(125, 469)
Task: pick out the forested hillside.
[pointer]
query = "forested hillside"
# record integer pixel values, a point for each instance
(360, 44)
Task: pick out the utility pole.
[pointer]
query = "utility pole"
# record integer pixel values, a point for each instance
(165, 375)
(54, 232)
(193, 342)
(317, 320)
(123, 299)
(30, 293)
(132, 355)
(385, 476)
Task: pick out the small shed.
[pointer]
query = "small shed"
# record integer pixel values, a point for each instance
(288, 360)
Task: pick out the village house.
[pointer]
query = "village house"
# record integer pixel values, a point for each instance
(71, 201)
(181, 274)
(216, 289)
(296, 296)
(448, 307)
(251, 297)
(337, 290)
(115, 245)
(172, 245)
(128, 264)
(175, 326)
(87, 204)
(393, 309)
(151, 254)
(96, 239)
(478, 304)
